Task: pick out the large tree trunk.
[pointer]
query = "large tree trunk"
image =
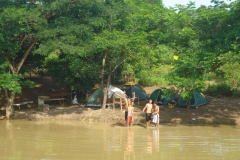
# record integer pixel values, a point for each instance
(10, 96)
(105, 91)
(102, 81)
(9, 107)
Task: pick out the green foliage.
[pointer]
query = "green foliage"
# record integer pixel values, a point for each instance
(68, 72)
(230, 68)
(151, 81)
(222, 89)
(236, 92)
(168, 92)
(219, 89)
(186, 94)
(232, 74)
(27, 83)
(20, 25)
(187, 74)
(9, 81)
(12, 82)
(155, 77)
(74, 36)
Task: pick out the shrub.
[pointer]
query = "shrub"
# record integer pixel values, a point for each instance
(152, 81)
(154, 77)
(219, 89)
(236, 92)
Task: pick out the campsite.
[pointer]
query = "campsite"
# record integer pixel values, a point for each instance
(218, 110)
(107, 49)
(69, 68)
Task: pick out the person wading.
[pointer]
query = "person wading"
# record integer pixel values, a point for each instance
(128, 103)
(148, 107)
(155, 114)
(130, 114)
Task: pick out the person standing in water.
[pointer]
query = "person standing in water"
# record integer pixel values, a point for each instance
(126, 110)
(148, 107)
(155, 114)
(130, 114)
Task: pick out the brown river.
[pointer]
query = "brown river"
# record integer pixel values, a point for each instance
(74, 140)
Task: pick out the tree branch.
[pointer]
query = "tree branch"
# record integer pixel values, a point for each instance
(10, 66)
(103, 65)
(25, 55)
(22, 38)
(118, 65)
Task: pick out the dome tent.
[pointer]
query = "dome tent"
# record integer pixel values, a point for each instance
(197, 100)
(92, 100)
(132, 87)
(157, 95)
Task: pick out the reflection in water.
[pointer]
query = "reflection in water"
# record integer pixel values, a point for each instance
(10, 138)
(156, 140)
(129, 152)
(9, 130)
(152, 143)
(77, 140)
(149, 141)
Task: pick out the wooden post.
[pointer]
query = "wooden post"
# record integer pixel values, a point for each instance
(113, 101)
(121, 103)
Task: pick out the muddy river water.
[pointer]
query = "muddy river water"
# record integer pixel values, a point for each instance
(74, 140)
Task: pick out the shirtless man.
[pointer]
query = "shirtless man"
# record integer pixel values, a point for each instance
(155, 113)
(130, 114)
(148, 108)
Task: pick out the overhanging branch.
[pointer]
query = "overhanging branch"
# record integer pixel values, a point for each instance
(118, 65)
(25, 55)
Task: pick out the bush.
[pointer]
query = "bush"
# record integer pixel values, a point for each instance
(236, 92)
(152, 81)
(219, 89)
(155, 77)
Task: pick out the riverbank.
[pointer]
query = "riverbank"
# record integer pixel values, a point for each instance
(217, 111)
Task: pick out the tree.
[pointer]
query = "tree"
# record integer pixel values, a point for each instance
(231, 59)
(112, 48)
(218, 31)
(187, 75)
(150, 26)
(20, 28)
(82, 36)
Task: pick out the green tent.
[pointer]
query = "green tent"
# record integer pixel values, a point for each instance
(156, 96)
(197, 100)
(92, 100)
(131, 87)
